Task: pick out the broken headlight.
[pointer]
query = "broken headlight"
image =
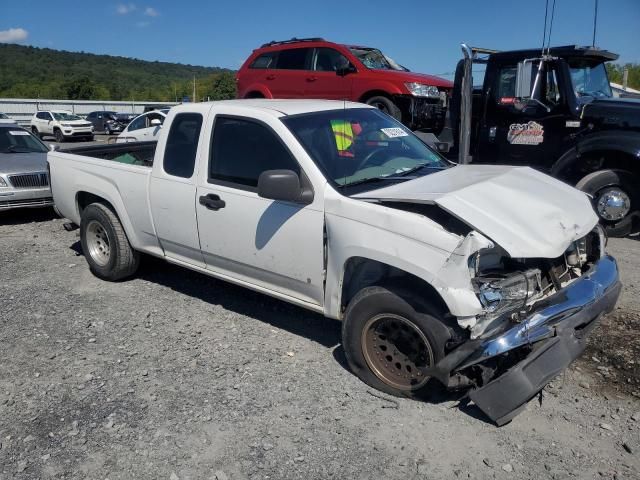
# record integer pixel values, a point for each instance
(505, 293)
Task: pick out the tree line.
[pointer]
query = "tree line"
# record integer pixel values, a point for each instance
(31, 72)
(616, 72)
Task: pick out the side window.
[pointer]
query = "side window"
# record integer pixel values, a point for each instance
(506, 88)
(182, 144)
(243, 149)
(329, 60)
(293, 59)
(138, 123)
(91, 115)
(266, 60)
(552, 92)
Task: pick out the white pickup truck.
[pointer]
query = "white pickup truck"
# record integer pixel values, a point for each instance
(485, 278)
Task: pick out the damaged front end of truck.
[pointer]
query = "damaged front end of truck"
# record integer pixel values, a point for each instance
(537, 314)
(526, 284)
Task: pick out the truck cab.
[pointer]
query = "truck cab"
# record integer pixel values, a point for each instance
(555, 111)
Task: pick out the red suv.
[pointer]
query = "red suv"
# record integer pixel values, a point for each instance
(315, 68)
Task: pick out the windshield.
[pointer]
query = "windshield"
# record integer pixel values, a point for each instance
(63, 116)
(590, 80)
(17, 140)
(375, 59)
(2, 115)
(363, 146)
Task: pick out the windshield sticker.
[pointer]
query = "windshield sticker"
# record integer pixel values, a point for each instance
(18, 132)
(531, 133)
(394, 132)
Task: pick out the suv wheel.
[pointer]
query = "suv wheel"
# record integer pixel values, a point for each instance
(59, 136)
(386, 105)
(34, 130)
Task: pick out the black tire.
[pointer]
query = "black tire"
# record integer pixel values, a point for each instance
(35, 131)
(599, 183)
(386, 105)
(107, 131)
(373, 305)
(122, 260)
(59, 135)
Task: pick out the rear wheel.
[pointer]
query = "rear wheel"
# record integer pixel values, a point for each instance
(105, 244)
(615, 199)
(386, 105)
(389, 345)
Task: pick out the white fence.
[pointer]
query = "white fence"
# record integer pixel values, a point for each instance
(22, 109)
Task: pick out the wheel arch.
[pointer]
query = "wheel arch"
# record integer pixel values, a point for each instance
(602, 150)
(377, 92)
(361, 272)
(85, 198)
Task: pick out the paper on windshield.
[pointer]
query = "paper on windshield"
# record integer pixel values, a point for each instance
(394, 132)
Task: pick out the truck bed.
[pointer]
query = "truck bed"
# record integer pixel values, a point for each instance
(137, 153)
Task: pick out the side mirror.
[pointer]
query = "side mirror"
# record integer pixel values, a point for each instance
(283, 185)
(344, 70)
(155, 122)
(523, 79)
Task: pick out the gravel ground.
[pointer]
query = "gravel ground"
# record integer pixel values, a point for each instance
(174, 375)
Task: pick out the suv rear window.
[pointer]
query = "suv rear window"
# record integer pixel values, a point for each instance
(266, 60)
(293, 59)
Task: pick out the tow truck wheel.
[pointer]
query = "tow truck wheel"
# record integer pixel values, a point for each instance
(614, 194)
(386, 105)
(389, 345)
(105, 244)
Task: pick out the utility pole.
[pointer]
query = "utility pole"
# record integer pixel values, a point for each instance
(625, 77)
(194, 89)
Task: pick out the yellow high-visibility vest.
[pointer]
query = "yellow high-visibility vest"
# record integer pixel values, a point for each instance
(343, 133)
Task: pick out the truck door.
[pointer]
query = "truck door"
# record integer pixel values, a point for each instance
(513, 133)
(172, 190)
(273, 245)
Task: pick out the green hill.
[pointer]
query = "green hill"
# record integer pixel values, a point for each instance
(31, 72)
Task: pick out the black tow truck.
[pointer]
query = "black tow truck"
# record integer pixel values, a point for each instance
(552, 110)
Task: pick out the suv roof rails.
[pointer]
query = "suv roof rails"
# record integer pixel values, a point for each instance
(292, 40)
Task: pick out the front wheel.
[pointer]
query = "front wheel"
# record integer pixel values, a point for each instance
(59, 136)
(386, 105)
(389, 345)
(105, 244)
(615, 199)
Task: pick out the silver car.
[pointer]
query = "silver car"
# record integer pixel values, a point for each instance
(24, 177)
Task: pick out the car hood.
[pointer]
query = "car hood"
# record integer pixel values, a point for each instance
(11, 163)
(617, 112)
(528, 213)
(406, 77)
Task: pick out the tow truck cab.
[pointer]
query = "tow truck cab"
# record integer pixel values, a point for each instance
(555, 112)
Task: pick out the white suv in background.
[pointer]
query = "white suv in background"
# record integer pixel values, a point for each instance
(144, 128)
(61, 124)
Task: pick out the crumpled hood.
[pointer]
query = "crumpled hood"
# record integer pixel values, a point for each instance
(528, 213)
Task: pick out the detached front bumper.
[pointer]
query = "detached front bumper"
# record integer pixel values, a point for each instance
(557, 333)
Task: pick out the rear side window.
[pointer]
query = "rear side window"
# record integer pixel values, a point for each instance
(266, 60)
(293, 59)
(182, 144)
(243, 149)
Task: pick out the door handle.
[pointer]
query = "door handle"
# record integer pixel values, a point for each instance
(212, 202)
(270, 77)
(312, 79)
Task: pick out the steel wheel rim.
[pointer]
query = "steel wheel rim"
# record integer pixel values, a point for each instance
(613, 204)
(98, 243)
(397, 351)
